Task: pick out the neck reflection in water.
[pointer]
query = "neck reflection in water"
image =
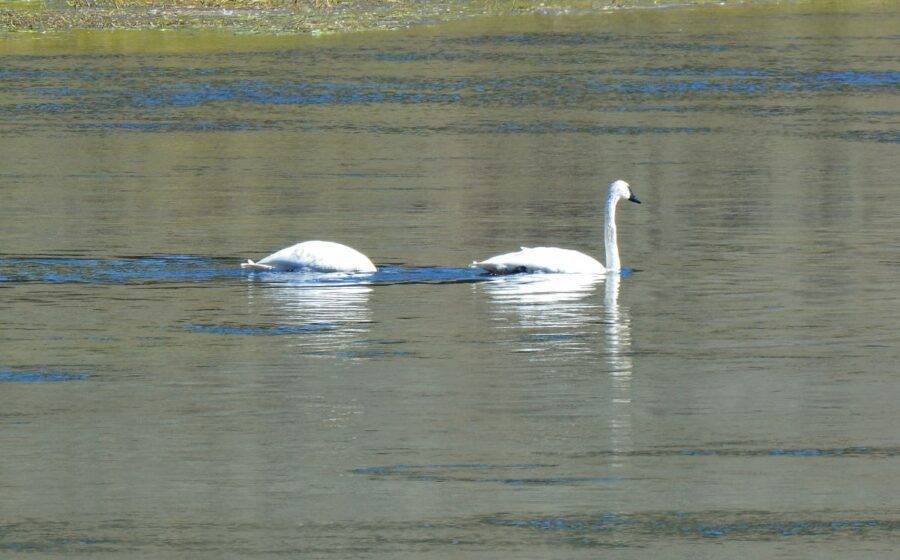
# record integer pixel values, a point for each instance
(559, 314)
(558, 319)
(617, 335)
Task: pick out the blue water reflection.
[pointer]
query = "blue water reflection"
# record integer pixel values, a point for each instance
(188, 268)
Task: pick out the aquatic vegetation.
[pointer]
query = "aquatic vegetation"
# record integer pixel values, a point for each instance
(314, 17)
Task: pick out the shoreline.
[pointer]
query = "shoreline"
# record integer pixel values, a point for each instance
(306, 17)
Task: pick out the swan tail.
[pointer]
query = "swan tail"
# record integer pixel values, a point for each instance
(256, 266)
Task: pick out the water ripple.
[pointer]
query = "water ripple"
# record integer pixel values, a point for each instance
(385, 276)
(272, 330)
(739, 525)
(140, 269)
(187, 268)
(475, 473)
(40, 376)
(856, 451)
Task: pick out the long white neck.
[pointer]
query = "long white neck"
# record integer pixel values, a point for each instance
(609, 234)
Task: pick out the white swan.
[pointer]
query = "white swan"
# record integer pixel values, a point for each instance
(551, 259)
(314, 256)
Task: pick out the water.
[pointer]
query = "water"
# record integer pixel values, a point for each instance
(733, 395)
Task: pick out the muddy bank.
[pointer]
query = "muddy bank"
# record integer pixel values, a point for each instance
(278, 16)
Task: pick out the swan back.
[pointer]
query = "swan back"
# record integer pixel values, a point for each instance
(542, 259)
(319, 256)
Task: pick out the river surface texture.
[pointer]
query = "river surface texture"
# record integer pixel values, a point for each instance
(732, 395)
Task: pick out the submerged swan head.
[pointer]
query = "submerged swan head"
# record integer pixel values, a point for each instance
(620, 189)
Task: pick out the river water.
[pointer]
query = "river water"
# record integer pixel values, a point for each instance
(732, 395)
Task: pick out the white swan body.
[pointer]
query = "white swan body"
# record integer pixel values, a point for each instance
(551, 259)
(315, 256)
(542, 259)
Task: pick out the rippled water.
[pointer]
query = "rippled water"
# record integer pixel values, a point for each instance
(733, 394)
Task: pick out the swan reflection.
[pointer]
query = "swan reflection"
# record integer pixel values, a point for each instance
(343, 308)
(617, 336)
(556, 311)
(560, 318)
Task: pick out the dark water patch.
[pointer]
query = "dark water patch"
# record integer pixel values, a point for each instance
(372, 353)
(776, 111)
(881, 136)
(385, 276)
(853, 79)
(750, 82)
(540, 39)
(603, 40)
(556, 481)
(684, 71)
(122, 101)
(7, 376)
(56, 544)
(59, 91)
(480, 473)
(681, 87)
(304, 93)
(417, 56)
(10, 73)
(859, 451)
(38, 108)
(557, 127)
(187, 268)
(550, 337)
(402, 469)
(685, 46)
(711, 524)
(657, 108)
(138, 269)
(515, 127)
(753, 80)
(268, 330)
(170, 126)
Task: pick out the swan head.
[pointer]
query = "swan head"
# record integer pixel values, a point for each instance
(620, 189)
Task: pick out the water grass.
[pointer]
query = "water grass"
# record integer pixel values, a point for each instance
(285, 16)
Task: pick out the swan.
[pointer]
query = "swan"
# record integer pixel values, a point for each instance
(552, 259)
(314, 256)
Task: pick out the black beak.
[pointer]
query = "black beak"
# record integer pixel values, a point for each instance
(633, 198)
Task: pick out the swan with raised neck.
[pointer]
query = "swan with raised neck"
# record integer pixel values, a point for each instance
(553, 259)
